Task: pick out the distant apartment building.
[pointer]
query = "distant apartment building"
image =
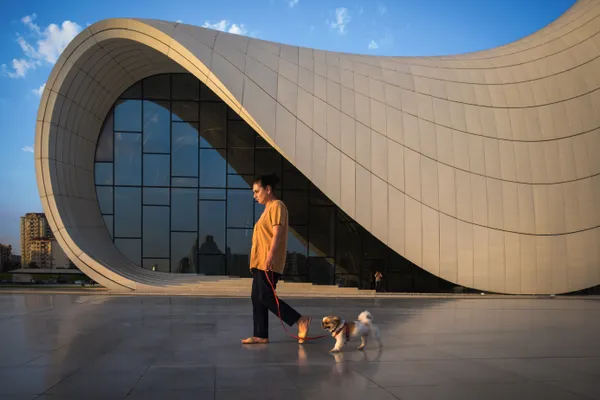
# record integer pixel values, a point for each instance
(39, 249)
(6, 257)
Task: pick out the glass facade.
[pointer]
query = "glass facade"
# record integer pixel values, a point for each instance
(174, 168)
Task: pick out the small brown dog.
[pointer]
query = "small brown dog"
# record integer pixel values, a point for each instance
(342, 331)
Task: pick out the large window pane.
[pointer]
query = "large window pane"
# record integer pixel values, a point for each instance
(292, 178)
(157, 264)
(131, 248)
(212, 194)
(184, 252)
(103, 173)
(240, 134)
(156, 231)
(240, 160)
(184, 209)
(133, 92)
(157, 87)
(211, 264)
(297, 204)
(185, 87)
(104, 148)
(186, 111)
(184, 149)
(321, 270)
(128, 212)
(211, 227)
(268, 162)
(184, 182)
(348, 248)
(297, 251)
(128, 115)
(322, 228)
(208, 95)
(128, 158)
(240, 181)
(105, 199)
(108, 221)
(156, 196)
(239, 208)
(213, 120)
(156, 169)
(213, 168)
(239, 243)
(157, 127)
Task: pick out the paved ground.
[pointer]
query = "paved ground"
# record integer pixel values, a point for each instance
(115, 347)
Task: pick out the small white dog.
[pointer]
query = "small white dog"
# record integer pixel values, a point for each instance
(342, 331)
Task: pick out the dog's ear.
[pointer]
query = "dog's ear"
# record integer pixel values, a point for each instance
(336, 320)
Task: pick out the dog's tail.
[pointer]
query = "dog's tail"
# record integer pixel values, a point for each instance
(365, 317)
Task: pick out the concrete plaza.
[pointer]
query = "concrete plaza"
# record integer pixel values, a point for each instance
(98, 346)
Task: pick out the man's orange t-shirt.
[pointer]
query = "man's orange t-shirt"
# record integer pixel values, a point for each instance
(275, 213)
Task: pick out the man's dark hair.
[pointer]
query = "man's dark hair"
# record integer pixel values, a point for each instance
(267, 180)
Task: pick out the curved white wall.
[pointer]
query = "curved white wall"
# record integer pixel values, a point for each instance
(481, 168)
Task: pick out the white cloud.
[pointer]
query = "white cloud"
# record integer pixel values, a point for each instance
(381, 9)
(49, 44)
(342, 19)
(373, 45)
(39, 90)
(28, 149)
(293, 3)
(179, 21)
(224, 26)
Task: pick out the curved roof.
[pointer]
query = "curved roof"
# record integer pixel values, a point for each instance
(481, 168)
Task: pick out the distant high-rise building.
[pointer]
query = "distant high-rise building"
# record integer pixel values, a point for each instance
(5, 257)
(39, 249)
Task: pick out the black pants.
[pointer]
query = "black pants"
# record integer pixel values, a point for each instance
(263, 301)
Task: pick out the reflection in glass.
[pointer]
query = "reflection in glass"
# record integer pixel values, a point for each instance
(157, 127)
(240, 134)
(213, 168)
(184, 111)
(156, 231)
(240, 181)
(213, 120)
(128, 158)
(297, 252)
(103, 173)
(267, 162)
(184, 209)
(184, 149)
(239, 208)
(108, 220)
(212, 264)
(128, 212)
(184, 182)
(348, 248)
(128, 116)
(156, 196)
(156, 169)
(185, 87)
(211, 227)
(241, 160)
(239, 243)
(157, 87)
(321, 270)
(322, 228)
(184, 252)
(159, 264)
(104, 148)
(131, 248)
(133, 92)
(212, 194)
(297, 204)
(105, 199)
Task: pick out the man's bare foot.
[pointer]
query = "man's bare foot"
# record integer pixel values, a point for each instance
(255, 340)
(303, 326)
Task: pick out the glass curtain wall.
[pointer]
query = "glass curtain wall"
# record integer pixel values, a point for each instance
(174, 167)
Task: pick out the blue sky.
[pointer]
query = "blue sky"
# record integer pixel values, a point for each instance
(33, 33)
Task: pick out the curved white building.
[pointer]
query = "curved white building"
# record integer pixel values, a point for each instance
(481, 169)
